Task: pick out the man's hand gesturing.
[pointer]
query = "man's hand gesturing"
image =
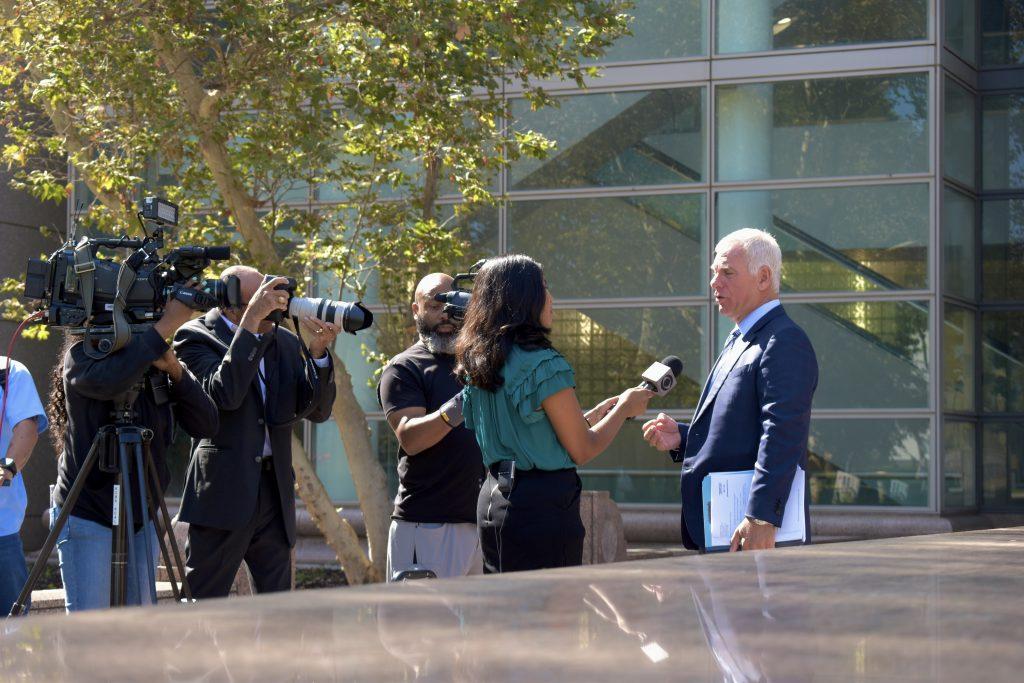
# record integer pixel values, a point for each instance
(662, 432)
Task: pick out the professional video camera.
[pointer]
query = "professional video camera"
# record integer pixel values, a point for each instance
(109, 301)
(350, 317)
(456, 300)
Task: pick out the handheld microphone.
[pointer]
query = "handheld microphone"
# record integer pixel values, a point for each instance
(661, 377)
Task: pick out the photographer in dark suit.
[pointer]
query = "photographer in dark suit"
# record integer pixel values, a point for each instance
(239, 497)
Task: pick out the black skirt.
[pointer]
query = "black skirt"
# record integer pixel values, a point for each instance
(535, 526)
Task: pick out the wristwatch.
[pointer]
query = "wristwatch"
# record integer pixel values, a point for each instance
(759, 522)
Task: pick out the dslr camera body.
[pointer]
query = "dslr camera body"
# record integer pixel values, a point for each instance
(349, 317)
(109, 301)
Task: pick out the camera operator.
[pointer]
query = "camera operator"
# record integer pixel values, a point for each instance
(439, 464)
(83, 402)
(23, 421)
(239, 495)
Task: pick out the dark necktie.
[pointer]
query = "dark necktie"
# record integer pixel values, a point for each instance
(720, 365)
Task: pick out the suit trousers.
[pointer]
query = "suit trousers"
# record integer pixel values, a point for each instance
(535, 526)
(213, 556)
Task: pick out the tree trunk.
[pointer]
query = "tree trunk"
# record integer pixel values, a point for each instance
(367, 472)
(338, 533)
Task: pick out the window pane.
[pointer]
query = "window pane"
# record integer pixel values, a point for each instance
(478, 227)
(958, 134)
(870, 354)
(762, 25)
(614, 246)
(869, 462)
(609, 347)
(1002, 445)
(958, 465)
(611, 139)
(961, 29)
(662, 29)
(332, 464)
(958, 358)
(957, 244)
(1002, 267)
(631, 472)
(1002, 142)
(839, 239)
(863, 125)
(1002, 32)
(1002, 355)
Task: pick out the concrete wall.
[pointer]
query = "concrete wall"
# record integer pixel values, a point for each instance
(20, 217)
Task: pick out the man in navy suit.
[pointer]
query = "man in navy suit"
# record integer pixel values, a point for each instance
(755, 410)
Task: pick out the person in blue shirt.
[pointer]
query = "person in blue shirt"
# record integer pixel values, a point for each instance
(23, 421)
(520, 401)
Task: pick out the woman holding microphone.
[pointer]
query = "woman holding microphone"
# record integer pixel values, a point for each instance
(521, 403)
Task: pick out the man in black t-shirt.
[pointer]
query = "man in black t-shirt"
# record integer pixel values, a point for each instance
(439, 464)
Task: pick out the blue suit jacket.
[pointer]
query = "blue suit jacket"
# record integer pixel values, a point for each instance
(756, 416)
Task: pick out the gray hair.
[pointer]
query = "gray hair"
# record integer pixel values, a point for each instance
(761, 250)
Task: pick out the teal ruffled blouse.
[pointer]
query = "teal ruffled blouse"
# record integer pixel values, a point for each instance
(510, 423)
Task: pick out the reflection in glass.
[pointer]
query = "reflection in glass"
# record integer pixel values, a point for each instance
(869, 462)
(662, 29)
(631, 472)
(614, 246)
(611, 139)
(1002, 141)
(1002, 356)
(958, 244)
(871, 354)
(608, 348)
(961, 29)
(1002, 257)
(839, 239)
(1002, 445)
(958, 465)
(1002, 32)
(762, 25)
(862, 125)
(958, 359)
(958, 134)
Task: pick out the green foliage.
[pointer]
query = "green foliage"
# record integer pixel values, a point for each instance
(234, 110)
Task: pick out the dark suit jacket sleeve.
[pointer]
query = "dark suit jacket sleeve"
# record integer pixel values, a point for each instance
(677, 454)
(194, 408)
(225, 378)
(786, 380)
(318, 390)
(107, 377)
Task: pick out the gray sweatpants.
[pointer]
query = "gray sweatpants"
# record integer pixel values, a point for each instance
(446, 549)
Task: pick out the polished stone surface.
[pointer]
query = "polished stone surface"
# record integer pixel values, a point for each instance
(945, 607)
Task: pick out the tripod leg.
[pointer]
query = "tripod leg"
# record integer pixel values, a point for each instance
(144, 508)
(118, 558)
(18, 607)
(128, 525)
(165, 516)
(164, 553)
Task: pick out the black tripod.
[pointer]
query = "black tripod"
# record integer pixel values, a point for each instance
(118, 449)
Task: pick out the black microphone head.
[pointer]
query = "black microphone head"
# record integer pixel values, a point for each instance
(674, 363)
(221, 253)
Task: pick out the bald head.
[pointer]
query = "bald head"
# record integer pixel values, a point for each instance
(249, 278)
(432, 284)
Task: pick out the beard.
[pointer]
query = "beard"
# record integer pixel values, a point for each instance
(436, 342)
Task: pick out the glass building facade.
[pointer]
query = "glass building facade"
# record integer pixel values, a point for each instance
(870, 138)
(880, 141)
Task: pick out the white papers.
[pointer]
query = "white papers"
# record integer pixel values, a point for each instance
(726, 495)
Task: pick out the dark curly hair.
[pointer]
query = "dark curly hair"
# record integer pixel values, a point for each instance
(56, 408)
(508, 298)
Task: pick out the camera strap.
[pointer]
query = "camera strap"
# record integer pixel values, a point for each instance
(85, 268)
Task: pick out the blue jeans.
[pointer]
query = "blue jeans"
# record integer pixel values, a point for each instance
(84, 551)
(13, 572)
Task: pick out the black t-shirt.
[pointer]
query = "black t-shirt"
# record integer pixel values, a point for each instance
(439, 484)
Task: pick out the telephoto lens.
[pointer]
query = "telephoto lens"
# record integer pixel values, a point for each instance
(350, 317)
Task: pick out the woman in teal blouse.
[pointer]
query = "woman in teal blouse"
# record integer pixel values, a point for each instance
(520, 401)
